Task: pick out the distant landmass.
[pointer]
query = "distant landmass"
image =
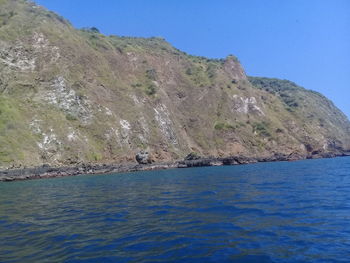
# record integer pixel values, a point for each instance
(70, 96)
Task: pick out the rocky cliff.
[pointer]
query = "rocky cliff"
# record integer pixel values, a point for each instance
(72, 96)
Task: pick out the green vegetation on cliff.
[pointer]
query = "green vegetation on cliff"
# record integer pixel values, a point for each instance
(70, 96)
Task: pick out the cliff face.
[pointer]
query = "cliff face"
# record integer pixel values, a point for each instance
(69, 96)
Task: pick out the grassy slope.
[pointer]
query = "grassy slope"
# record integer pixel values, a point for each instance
(90, 97)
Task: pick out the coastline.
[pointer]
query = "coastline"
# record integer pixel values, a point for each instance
(47, 171)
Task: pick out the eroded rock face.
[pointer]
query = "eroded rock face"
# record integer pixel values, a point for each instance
(234, 68)
(143, 157)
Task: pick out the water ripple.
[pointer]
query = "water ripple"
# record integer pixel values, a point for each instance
(271, 212)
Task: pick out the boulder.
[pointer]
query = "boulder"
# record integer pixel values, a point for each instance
(143, 157)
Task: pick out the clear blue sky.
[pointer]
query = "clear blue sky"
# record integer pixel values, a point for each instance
(306, 41)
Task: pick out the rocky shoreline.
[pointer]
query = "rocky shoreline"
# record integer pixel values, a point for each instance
(47, 171)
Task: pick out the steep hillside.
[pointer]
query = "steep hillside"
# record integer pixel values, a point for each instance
(69, 96)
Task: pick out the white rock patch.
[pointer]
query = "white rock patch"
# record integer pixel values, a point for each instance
(39, 41)
(246, 105)
(22, 57)
(135, 99)
(49, 142)
(125, 124)
(125, 132)
(131, 56)
(72, 135)
(65, 98)
(108, 112)
(42, 46)
(34, 126)
(118, 137)
(17, 57)
(165, 124)
(144, 134)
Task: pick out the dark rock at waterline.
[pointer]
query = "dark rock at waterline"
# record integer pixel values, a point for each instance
(142, 157)
(192, 156)
(195, 163)
(89, 168)
(238, 160)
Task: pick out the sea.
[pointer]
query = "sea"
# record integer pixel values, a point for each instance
(265, 212)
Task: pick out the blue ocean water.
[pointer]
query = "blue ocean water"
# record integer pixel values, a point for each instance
(265, 212)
